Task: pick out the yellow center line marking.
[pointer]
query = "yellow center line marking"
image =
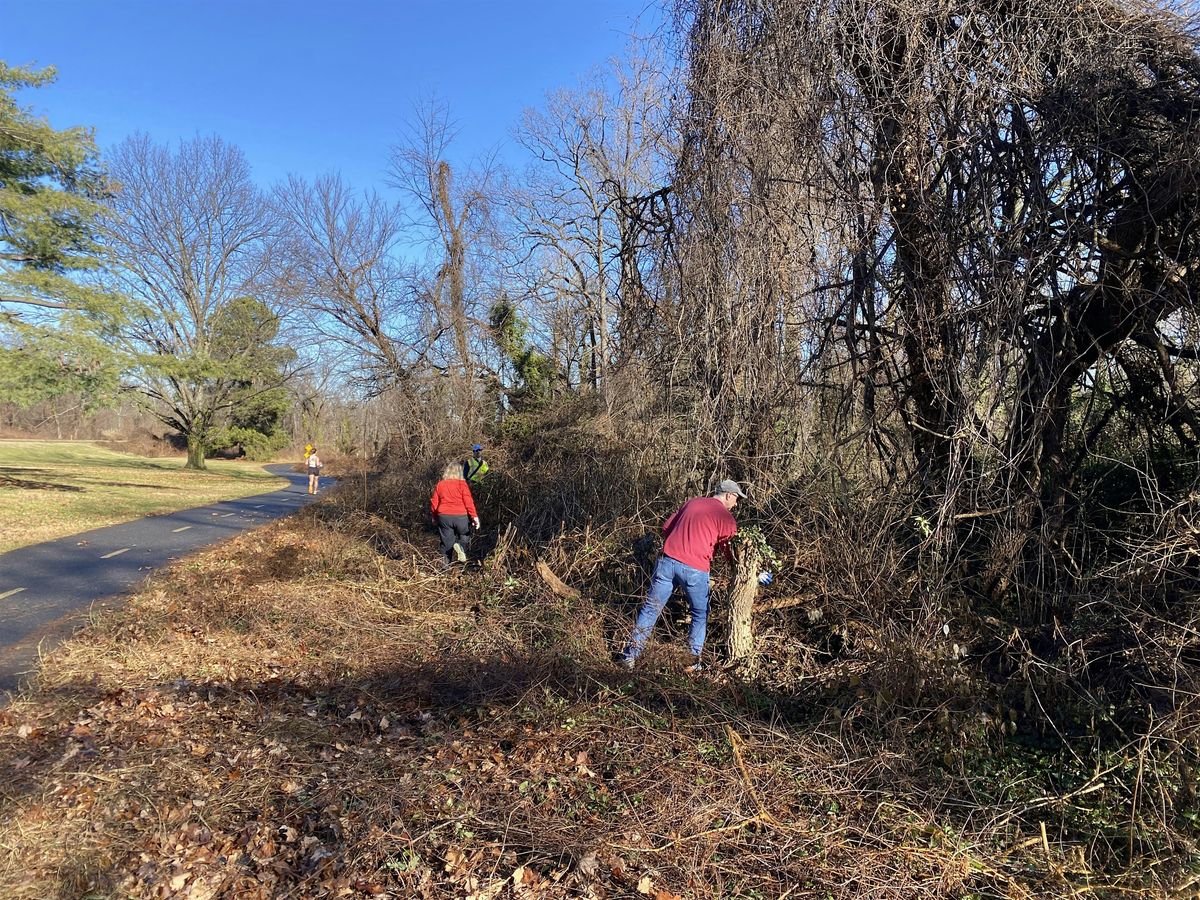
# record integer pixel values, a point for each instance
(177, 530)
(116, 553)
(226, 515)
(10, 593)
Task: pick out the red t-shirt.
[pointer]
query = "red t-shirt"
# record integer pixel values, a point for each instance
(452, 497)
(695, 529)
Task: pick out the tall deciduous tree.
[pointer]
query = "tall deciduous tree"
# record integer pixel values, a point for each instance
(455, 211)
(599, 151)
(189, 237)
(51, 319)
(340, 256)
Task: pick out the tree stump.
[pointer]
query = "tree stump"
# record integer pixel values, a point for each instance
(743, 587)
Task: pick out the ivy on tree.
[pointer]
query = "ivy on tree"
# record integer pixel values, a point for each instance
(534, 370)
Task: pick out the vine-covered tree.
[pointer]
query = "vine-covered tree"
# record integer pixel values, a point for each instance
(451, 208)
(532, 371)
(954, 245)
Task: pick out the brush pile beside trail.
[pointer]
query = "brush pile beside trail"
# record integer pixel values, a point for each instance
(310, 710)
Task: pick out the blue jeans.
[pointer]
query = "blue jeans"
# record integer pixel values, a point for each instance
(667, 574)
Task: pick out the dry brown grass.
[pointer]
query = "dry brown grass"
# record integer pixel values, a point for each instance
(309, 710)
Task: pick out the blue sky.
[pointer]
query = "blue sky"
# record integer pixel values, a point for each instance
(309, 87)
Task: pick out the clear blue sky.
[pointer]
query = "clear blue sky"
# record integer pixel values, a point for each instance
(304, 86)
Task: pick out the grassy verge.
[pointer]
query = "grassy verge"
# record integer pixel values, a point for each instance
(309, 710)
(52, 489)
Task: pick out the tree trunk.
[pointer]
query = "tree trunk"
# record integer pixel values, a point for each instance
(456, 261)
(195, 459)
(742, 589)
(601, 351)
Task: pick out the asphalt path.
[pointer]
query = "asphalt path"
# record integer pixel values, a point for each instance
(47, 590)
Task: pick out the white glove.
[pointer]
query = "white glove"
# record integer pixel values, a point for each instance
(475, 521)
(765, 578)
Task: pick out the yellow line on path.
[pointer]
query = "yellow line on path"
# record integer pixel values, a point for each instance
(116, 553)
(10, 593)
(225, 515)
(177, 530)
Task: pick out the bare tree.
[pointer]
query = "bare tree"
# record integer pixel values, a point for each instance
(596, 149)
(189, 234)
(454, 209)
(340, 264)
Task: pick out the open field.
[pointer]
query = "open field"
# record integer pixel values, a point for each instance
(50, 489)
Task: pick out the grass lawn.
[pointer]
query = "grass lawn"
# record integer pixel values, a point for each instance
(52, 489)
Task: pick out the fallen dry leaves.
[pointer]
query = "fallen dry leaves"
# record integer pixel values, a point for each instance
(269, 719)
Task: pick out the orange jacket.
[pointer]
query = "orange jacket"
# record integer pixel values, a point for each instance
(452, 497)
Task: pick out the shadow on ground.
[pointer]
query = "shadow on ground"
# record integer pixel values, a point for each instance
(9, 481)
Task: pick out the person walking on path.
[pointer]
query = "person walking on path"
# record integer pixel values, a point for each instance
(313, 463)
(690, 535)
(453, 511)
(475, 468)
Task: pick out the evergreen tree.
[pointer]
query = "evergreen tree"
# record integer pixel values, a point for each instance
(53, 324)
(533, 370)
(245, 336)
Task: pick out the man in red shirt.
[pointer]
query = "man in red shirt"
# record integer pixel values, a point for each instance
(691, 534)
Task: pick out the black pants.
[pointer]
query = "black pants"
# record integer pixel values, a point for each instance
(454, 530)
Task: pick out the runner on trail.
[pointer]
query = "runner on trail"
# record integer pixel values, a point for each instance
(313, 464)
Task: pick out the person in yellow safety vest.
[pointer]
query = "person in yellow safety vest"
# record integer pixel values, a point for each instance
(475, 468)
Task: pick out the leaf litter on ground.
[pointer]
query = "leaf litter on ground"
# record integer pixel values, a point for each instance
(295, 713)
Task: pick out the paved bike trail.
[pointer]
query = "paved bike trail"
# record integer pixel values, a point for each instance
(47, 590)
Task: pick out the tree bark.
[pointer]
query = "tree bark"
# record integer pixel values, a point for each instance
(195, 457)
(456, 257)
(742, 590)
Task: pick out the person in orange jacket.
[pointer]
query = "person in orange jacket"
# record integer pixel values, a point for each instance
(453, 511)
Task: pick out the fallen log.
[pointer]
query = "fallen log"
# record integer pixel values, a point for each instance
(555, 583)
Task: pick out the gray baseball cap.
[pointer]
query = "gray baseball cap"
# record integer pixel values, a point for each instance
(729, 487)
